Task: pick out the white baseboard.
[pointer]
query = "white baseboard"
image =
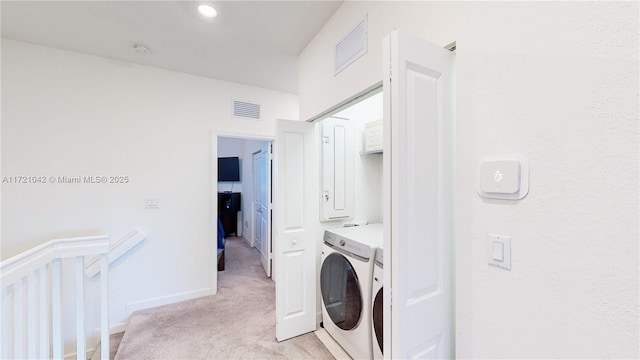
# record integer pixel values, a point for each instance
(113, 329)
(118, 328)
(165, 300)
(247, 240)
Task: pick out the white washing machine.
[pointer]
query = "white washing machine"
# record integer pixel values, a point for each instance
(348, 255)
(377, 313)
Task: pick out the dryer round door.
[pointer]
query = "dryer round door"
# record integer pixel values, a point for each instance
(377, 318)
(341, 292)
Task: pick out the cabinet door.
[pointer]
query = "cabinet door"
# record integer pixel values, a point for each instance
(337, 169)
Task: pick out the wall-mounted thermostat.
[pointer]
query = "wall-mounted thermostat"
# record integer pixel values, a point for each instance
(503, 177)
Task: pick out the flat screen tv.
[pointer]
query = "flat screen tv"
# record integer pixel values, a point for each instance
(228, 169)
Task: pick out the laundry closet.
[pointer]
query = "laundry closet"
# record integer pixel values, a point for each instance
(331, 171)
(351, 162)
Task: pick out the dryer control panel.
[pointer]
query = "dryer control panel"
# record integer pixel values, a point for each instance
(360, 240)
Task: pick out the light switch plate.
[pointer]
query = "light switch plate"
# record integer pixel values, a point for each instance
(499, 246)
(504, 177)
(152, 203)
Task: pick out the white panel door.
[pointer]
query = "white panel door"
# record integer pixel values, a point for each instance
(262, 208)
(296, 217)
(419, 112)
(257, 197)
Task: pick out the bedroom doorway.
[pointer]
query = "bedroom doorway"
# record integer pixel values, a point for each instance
(243, 197)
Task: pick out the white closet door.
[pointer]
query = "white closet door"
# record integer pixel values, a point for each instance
(296, 219)
(262, 206)
(419, 111)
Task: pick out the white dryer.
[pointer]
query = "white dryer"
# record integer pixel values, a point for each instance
(348, 255)
(377, 313)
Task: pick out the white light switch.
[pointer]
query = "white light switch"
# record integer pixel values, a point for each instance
(499, 251)
(152, 203)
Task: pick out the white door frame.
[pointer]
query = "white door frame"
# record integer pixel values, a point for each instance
(215, 134)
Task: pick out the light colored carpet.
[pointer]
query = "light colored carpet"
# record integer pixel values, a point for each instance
(237, 323)
(114, 343)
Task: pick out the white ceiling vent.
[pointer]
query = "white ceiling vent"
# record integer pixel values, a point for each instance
(352, 46)
(246, 110)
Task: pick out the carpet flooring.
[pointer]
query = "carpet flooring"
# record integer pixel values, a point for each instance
(237, 323)
(114, 343)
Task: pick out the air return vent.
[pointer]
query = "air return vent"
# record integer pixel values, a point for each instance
(352, 46)
(246, 110)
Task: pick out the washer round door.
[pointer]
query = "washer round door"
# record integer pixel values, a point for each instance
(377, 318)
(341, 292)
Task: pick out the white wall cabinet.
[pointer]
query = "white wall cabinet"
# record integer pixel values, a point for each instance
(337, 190)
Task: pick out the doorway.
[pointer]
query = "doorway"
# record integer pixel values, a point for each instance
(327, 179)
(242, 191)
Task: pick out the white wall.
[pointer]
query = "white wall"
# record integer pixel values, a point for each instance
(558, 82)
(65, 113)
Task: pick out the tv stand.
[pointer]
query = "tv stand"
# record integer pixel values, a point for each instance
(228, 206)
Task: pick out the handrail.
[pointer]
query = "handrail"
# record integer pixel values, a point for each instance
(27, 286)
(118, 249)
(19, 266)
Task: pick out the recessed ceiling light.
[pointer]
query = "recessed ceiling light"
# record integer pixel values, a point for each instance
(207, 11)
(141, 49)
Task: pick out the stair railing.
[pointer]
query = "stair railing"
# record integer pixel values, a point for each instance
(30, 285)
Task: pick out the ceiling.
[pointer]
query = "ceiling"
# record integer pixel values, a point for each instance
(249, 42)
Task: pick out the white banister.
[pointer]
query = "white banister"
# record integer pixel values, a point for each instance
(81, 352)
(31, 315)
(4, 350)
(56, 303)
(27, 291)
(118, 249)
(104, 313)
(18, 319)
(43, 348)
